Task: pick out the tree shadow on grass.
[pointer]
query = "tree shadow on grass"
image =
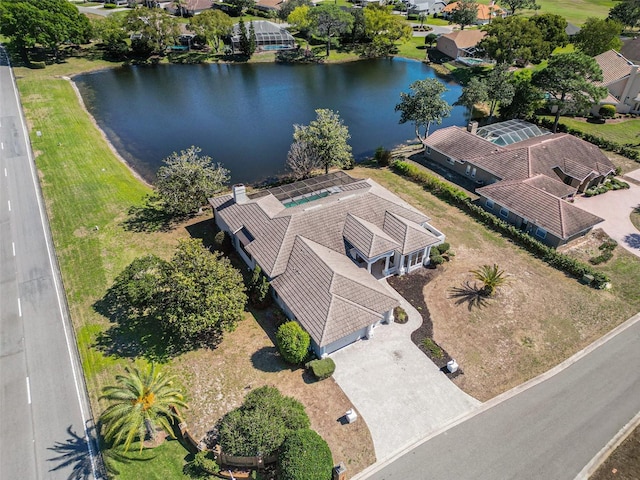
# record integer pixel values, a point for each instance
(149, 217)
(131, 335)
(205, 230)
(472, 295)
(74, 453)
(267, 359)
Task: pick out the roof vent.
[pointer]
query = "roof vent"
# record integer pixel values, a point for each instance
(239, 193)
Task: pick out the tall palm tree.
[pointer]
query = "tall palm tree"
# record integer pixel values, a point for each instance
(491, 277)
(141, 401)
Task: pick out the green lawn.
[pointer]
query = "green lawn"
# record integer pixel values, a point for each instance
(414, 48)
(575, 11)
(165, 462)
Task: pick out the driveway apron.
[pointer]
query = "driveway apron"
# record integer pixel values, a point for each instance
(399, 392)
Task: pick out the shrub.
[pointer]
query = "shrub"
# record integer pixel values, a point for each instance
(293, 342)
(382, 157)
(607, 111)
(436, 259)
(259, 289)
(202, 464)
(222, 242)
(37, 65)
(400, 315)
(261, 423)
(433, 348)
(322, 368)
(305, 456)
(443, 247)
(609, 244)
(605, 256)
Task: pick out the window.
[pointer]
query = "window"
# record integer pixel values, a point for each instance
(504, 212)
(451, 161)
(473, 172)
(541, 233)
(489, 204)
(468, 170)
(427, 149)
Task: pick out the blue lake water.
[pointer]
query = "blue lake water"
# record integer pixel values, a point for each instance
(243, 115)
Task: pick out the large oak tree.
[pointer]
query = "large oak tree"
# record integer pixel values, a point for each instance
(423, 106)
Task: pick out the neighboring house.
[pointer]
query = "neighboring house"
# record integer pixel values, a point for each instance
(269, 36)
(269, 5)
(631, 49)
(622, 79)
(485, 12)
(529, 174)
(571, 30)
(426, 7)
(322, 243)
(461, 43)
(188, 8)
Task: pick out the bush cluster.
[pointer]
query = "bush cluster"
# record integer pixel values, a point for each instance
(259, 289)
(305, 455)
(459, 198)
(322, 368)
(202, 465)
(293, 342)
(607, 111)
(222, 242)
(614, 147)
(400, 315)
(606, 252)
(382, 157)
(610, 184)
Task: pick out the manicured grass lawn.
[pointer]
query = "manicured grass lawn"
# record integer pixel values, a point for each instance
(414, 48)
(575, 11)
(625, 131)
(163, 462)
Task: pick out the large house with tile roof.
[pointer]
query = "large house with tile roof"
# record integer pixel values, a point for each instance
(460, 43)
(622, 79)
(485, 12)
(324, 243)
(529, 183)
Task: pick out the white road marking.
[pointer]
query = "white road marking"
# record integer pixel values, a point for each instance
(28, 391)
(9, 203)
(19, 308)
(5, 172)
(13, 247)
(2, 145)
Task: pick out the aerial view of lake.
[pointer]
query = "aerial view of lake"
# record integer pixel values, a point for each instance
(243, 115)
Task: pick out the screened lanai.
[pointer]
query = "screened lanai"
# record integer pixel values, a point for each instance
(269, 36)
(510, 131)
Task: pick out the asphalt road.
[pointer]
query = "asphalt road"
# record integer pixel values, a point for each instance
(549, 431)
(44, 413)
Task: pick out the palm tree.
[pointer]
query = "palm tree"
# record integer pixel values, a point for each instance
(141, 401)
(491, 277)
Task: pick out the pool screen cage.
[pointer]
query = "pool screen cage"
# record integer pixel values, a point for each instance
(269, 36)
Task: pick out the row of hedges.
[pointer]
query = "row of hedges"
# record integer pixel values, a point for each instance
(603, 143)
(455, 196)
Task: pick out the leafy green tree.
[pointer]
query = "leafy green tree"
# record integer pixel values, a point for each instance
(242, 5)
(473, 93)
(465, 14)
(598, 35)
(252, 39)
(430, 39)
(289, 6)
(500, 90)
(137, 287)
(300, 19)
(293, 342)
(110, 32)
(327, 137)
(187, 179)
(202, 297)
(527, 98)
(245, 42)
(491, 277)
(384, 29)
(212, 25)
(423, 106)
(49, 23)
(261, 423)
(140, 402)
(305, 455)
(513, 5)
(553, 28)
(627, 12)
(155, 27)
(568, 80)
(259, 289)
(514, 38)
(329, 20)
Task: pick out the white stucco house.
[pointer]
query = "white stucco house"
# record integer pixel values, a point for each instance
(323, 243)
(622, 79)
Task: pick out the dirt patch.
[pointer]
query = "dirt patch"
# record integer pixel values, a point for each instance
(624, 462)
(218, 380)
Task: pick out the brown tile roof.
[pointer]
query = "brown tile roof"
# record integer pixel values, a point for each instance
(543, 209)
(367, 237)
(466, 38)
(328, 294)
(459, 144)
(614, 66)
(631, 49)
(548, 184)
(409, 234)
(271, 4)
(485, 12)
(321, 221)
(505, 164)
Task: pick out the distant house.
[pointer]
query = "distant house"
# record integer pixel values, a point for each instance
(269, 37)
(525, 174)
(485, 12)
(426, 7)
(571, 30)
(622, 79)
(188, 8)
(631, 49)
(269, 5)
(461, 43)
(323, 243)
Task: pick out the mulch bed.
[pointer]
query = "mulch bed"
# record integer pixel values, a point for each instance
(411, 287)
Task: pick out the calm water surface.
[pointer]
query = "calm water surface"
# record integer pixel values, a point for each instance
(243, 115)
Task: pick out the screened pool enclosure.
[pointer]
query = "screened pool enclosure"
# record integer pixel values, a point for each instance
(269, 37)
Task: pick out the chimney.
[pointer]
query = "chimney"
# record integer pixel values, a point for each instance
(472, 127)
(239, 194)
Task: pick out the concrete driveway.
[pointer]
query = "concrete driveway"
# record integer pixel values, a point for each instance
(400, 393)
(615, 207)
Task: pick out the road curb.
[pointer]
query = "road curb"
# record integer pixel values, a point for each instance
(608, 449)
(504, 397)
